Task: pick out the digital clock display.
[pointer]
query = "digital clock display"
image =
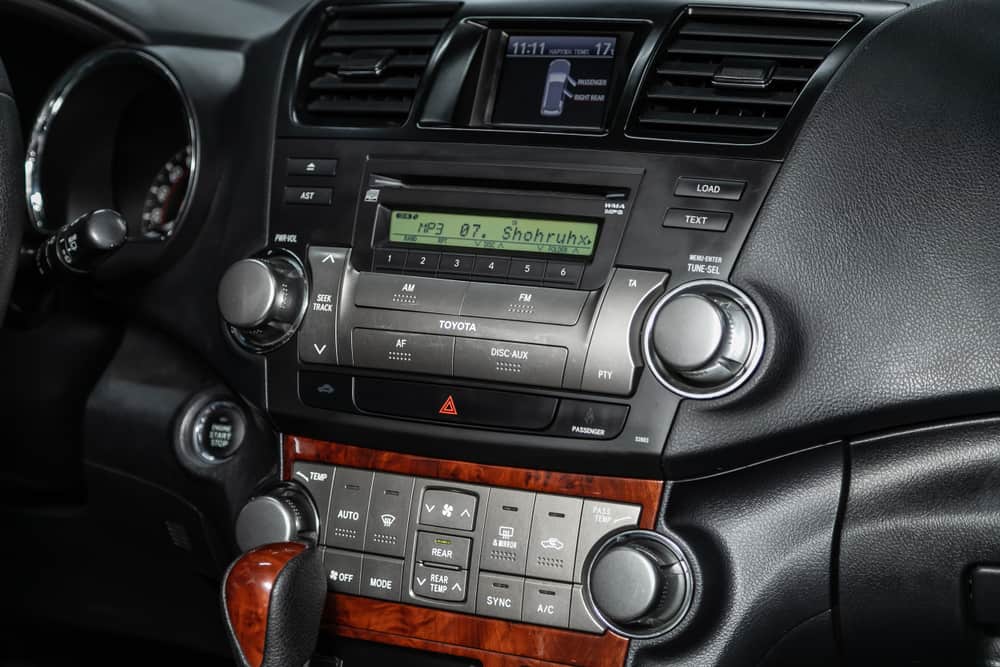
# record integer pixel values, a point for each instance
(555, 80)
(494, 232)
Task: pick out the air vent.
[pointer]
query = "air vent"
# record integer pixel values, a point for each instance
(731, 75)
(363, 67)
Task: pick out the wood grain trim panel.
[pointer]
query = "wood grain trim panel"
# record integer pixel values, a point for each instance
(248, 594)
(493, 642)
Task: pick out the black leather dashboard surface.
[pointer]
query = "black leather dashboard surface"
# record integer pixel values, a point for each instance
(875, 256)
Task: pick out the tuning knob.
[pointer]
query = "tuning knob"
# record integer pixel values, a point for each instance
(703, 339)
(284, 512)
(263, 299)
(639, 583)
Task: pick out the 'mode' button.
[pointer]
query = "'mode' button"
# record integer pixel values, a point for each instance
(381, 577)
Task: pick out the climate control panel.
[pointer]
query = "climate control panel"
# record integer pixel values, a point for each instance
(489, 551)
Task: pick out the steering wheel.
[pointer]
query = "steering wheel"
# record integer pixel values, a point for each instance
(12, 209)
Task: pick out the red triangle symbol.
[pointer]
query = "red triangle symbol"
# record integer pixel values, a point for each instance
(449, 407)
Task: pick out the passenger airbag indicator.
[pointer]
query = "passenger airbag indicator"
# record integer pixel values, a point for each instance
(555, 80)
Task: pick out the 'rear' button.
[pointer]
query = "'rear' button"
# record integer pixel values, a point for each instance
(709, 188)
(683, 218)
(443, 549)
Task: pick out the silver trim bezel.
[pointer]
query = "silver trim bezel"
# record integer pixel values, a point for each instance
(54, 104)
(756, 345)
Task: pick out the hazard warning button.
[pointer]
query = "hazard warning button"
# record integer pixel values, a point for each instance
(454, 405)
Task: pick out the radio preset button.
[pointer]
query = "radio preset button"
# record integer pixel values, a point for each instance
(520, 363)
(443, 549)
(587, 420)
(709, 188)
(525, 304)
(389, 259)
(564, 273)
(427, 295)
(611, 361)
(500, 596)
(454, 405)
(492, 267)
(412, 353)
(527, 270)
(456, 264)
(422, 262)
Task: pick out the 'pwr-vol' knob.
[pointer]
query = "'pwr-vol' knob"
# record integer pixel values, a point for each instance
(262, 299)
(703, 339)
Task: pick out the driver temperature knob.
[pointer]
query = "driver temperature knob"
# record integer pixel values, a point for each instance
(704, 339)
(263, 299)
(284, 512)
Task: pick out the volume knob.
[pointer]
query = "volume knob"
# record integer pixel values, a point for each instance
(703, 339)
(262, 299)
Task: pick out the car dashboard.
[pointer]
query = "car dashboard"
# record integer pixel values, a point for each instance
(561, 332)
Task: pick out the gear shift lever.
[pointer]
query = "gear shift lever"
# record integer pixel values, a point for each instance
(273, 595)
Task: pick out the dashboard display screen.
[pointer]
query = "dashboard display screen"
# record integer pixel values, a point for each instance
(493, 232)
(556, 80)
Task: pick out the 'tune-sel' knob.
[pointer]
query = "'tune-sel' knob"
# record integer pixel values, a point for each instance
(262, 299)
(639, 583)
(284, 512)
(704, 339)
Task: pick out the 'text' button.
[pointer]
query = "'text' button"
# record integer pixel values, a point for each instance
(439, 584)
(711, 221)
(345, 525)
(381, 577)
(343, 571)
(500, 596)
(448, 509)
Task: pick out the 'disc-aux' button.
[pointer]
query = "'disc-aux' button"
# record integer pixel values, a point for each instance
(500, 361)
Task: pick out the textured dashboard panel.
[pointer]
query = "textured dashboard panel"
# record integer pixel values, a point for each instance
(11, 189)
(922, 509)
(874, 257)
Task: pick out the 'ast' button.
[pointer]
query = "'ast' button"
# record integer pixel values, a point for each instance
(712, 221)
(524, 304)
(454, 405)
(311, 167)
(318, 479)
(546, 603)
(610, 366)
(448, 509)
(443, 549)
(412, 353)
(381, 577)
(555, 528)
(500, 596)
(317, 334)
(709, 188)
(521, 363)
(388, 514)
(343, 571)
(345, 525)
(506, 530)
(586, 420)
(597, 520)
(427, 295)
(309, 196)
(439, 584)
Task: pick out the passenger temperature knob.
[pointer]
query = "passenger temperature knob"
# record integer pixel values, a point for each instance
(263, 299)
(703, 339)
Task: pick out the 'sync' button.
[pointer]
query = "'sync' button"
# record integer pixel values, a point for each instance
(709, 188)
(500, 596)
